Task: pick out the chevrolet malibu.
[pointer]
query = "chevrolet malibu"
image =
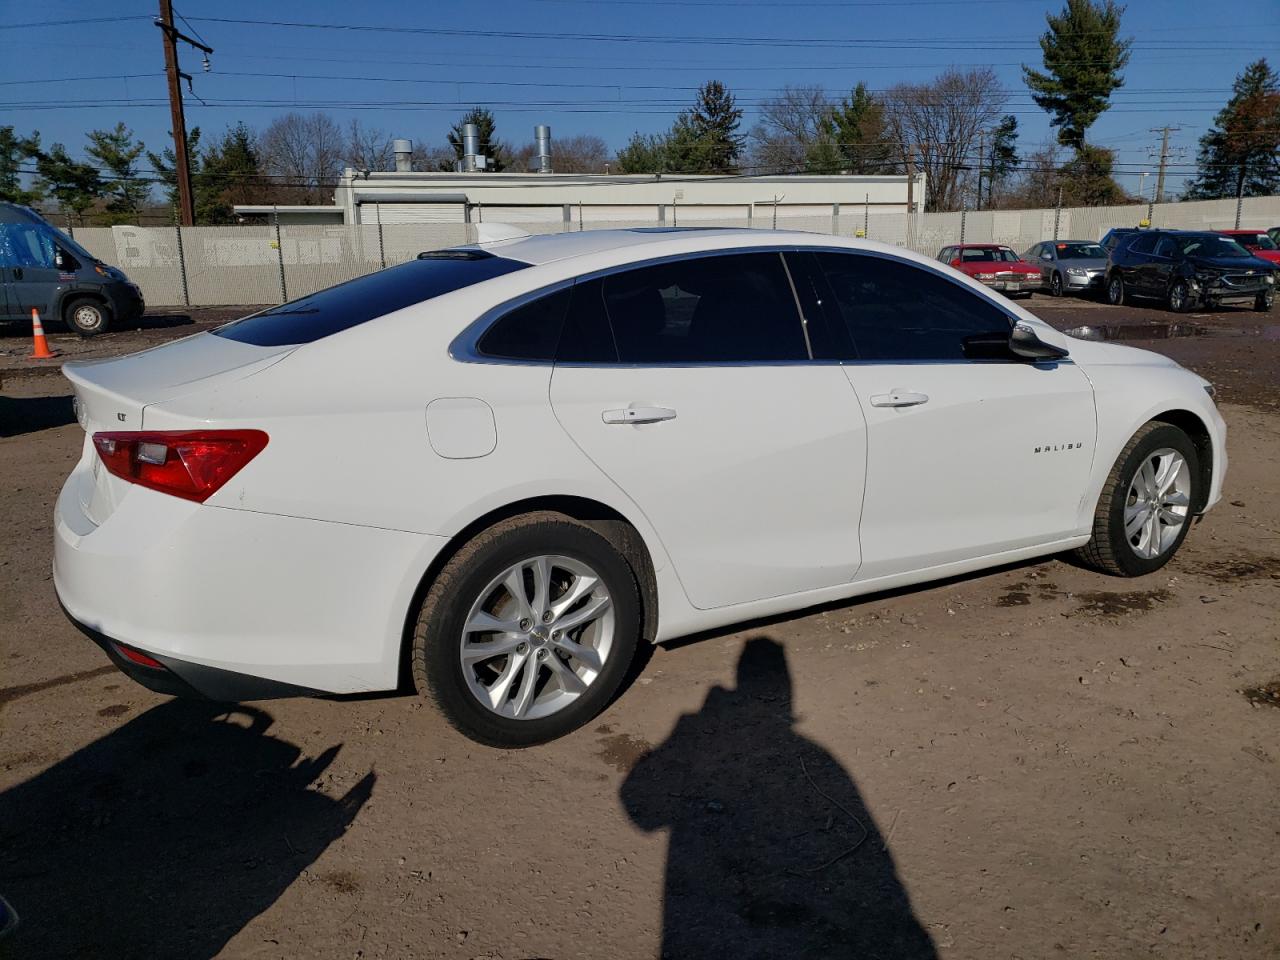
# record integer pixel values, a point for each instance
(497, 470)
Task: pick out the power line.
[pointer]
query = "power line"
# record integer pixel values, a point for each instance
(77, 21)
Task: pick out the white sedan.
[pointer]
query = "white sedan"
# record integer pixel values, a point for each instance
(498, 469)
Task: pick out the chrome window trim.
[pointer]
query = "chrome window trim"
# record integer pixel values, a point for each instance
(464, 347)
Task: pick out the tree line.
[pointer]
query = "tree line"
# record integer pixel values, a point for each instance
(953, 129)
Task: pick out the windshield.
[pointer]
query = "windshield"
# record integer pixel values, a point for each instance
(374, 295)
(1080, 251)
(1259, 240)
(1210, 247)
(988, 254)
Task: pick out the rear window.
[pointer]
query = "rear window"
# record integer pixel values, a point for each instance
(357, 301)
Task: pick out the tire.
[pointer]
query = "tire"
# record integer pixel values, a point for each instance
(1055, 284)
(1262, 303)
(1116, 293)
(1109, 549)
(472, 586)
(1180, 299)
(86, 316)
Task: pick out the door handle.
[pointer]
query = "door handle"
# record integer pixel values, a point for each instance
(899, 398)
(634, 414)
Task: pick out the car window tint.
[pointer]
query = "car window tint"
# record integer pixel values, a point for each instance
(898, 311)
(528, 332)
(1165, 247)
(587, 337)
(728, 308)
(1144, 244)
(358, 301)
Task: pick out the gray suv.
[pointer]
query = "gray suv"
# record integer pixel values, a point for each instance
(42, 267)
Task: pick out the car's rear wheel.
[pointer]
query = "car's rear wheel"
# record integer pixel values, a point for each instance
(86, 316)
(1115, 290)
(528, 630)
(1180, 299)
(1055, 284)
(1262, 303)
(1146, 505)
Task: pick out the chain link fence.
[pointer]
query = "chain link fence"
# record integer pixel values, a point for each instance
(216, 266)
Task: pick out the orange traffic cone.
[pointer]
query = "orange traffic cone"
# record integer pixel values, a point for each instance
(42, 351)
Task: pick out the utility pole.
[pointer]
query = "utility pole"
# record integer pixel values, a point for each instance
(1164, 160)
(982, 143)
(182, 163)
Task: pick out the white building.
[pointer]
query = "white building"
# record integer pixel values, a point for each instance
(548, 202)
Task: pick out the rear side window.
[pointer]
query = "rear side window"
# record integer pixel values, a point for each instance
(896, 311)
(1143, 244)
(528, 332)
(365, 298)
(729, 308)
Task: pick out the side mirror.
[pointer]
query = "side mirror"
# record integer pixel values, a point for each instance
(1025, 342)
(59, 258)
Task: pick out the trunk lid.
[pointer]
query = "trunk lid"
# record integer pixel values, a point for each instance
(114, 395)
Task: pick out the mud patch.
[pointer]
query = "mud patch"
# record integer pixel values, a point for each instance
(115, 710)
(341, 881)
(1100, 603)
(28, 758)
(1136, 331)
(1264, 695)
(1019, 594)
(622, 751)
(1251, 566)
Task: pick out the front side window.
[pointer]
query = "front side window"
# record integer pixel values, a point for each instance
(716, 309)
(1166, 248)
(896, 311)
(1144, 244)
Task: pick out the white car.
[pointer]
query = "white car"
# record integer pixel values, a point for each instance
(498, 469)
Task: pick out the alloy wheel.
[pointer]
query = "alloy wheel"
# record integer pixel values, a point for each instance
(1158, 503)
(537, 637)
(1055, 285)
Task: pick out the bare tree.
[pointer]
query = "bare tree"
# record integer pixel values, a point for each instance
(790, 123)
(302, 155)
(367, 149)
(1037, 183)
(582, 153)
(942, 119)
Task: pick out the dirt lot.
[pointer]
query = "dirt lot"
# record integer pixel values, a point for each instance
(1038, 761)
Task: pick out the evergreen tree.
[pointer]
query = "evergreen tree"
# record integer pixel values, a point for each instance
(494, 150)
(165, 165)
(13, 151)
(1240, 155)
(856, 130)
(711, 128)
(1087, 180)
(230, 174)
(644, 153)
(1004, 155)
(1083, 60)
(73, 184)
(118, 154)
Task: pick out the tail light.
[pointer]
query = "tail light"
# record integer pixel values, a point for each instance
(191, 464)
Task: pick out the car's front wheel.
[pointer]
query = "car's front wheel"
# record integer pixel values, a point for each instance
(1180, 299)
(1115, 290)
(86, 316)
(1146, 505)
(1262, 303)
(1055, 284)
(528, 631)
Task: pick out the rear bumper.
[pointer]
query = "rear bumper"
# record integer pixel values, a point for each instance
(236, 604)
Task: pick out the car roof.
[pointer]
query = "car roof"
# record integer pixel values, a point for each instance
(639, 243)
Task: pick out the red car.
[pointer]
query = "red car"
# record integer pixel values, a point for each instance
(1257, 242)
(995, 265)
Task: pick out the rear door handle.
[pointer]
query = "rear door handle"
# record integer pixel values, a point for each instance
(899, 398)
(634, 414)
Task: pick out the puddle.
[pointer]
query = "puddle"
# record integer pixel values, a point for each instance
(621, 750)
(1265, 695)
(1137, 331)
(1019, 594)
(1103, 604)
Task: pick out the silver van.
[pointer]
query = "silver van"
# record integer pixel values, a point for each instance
(42, 267)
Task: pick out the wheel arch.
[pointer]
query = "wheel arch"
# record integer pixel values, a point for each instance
(599, 516)
(68, 297)
(1195, 428)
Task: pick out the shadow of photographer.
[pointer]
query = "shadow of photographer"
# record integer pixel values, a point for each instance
(165, 837)
(772, 851)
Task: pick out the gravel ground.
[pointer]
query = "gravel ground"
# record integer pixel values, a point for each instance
(1034, 761)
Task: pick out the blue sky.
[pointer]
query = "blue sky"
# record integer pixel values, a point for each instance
(1186, 56)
